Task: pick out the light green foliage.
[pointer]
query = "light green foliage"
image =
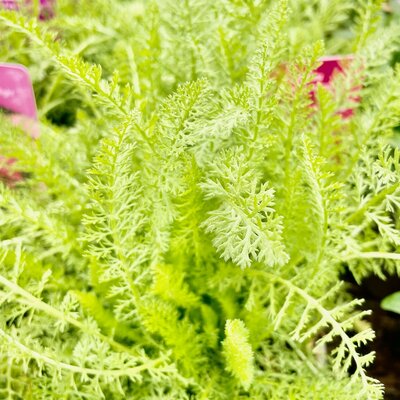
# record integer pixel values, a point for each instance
(244, 225)
(392, 302)
(238, 352)
(187, 213)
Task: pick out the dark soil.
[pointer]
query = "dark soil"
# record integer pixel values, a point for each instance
(386, 325)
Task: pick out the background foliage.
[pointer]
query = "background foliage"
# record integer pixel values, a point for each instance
(186, 214)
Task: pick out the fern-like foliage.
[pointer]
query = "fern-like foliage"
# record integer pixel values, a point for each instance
(186, 213)
(238, 353)
(245, 226)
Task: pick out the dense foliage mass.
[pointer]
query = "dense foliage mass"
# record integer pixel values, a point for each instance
(187, 212)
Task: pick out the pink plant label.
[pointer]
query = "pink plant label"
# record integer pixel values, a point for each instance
(10, 4)
(17, 97)
(325, 74)
(330, 66)
(16, 91)
(46, 6)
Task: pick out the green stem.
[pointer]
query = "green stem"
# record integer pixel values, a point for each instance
(375, 254)
(38, 304)
(326, 315)
(115, 373)
(354, 218)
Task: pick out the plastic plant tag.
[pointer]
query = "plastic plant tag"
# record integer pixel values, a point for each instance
(9, 4)
(45, 7)
(330, 66)
(325, 74)
(18, 100)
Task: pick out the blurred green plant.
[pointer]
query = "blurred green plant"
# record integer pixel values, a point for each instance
(391, 302)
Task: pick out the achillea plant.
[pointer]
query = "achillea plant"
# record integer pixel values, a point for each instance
(186, 215)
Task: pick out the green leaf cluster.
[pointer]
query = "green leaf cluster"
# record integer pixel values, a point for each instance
(187, 213)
